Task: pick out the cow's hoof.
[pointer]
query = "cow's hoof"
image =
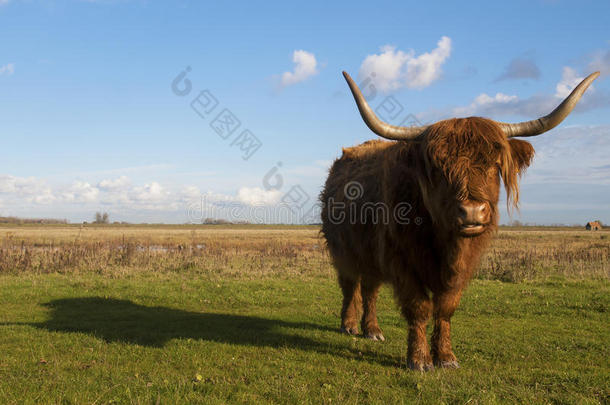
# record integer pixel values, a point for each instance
(353, 330)
(448, 364)
(420, 366)
(374, 334)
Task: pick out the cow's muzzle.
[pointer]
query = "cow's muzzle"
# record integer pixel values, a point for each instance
(474, 216)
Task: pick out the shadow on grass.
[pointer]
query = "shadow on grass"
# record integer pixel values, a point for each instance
(123, 321)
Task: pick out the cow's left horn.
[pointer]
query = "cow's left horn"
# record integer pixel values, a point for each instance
(375, 124)
(543, 124)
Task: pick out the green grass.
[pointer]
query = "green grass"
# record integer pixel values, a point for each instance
(172, 338)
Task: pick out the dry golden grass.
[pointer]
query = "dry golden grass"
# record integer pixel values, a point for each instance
(270, 251)
(528, 254)
(244, 251)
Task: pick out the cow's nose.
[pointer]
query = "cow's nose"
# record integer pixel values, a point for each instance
(474, 213)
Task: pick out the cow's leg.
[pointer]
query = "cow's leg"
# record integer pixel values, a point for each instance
(416, 307)
(370, 291)
(351, 304)
(444, 305)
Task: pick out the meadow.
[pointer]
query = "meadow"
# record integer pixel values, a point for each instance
(250, 314)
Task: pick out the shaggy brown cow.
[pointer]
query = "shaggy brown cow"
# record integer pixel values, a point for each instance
(417, 213)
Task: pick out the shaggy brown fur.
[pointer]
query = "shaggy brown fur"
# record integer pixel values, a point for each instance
(427, 260)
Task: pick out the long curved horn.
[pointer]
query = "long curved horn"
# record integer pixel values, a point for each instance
(543, 124)
(379, 127)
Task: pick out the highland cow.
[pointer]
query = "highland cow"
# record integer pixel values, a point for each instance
(418, 212)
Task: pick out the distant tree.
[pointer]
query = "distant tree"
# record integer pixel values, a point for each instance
(101, 218)
(215, 221)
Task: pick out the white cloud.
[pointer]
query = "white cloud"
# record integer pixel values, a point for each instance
(9, 68)
(305, 66)
(119, 183)
(7, 184)
(569, 180)
(116, 192)
(29, 187)
(258, 196)
(81, 192)
(43, 198)
(33, 197)
(569, 80)
(393, 69)
(536, 105)
(152, 192)
(190, 193)
(573, 154)
(4, 2)
(483, 102)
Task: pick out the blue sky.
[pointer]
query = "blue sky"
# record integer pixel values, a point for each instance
(90, 121)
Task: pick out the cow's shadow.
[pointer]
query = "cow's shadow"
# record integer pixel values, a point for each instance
(115, 320)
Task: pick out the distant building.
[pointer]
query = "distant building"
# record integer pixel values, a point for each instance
(593, 226)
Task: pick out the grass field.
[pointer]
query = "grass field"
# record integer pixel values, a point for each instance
(183, 314)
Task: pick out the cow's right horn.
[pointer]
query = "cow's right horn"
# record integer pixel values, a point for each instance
(375, 124)
(543, 124)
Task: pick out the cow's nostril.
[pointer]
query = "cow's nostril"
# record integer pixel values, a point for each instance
(463, 211)
(482, 213)
(474, 213)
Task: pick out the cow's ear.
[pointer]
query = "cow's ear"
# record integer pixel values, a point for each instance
(522, 152)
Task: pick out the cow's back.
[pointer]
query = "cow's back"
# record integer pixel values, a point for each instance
(365, 192)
